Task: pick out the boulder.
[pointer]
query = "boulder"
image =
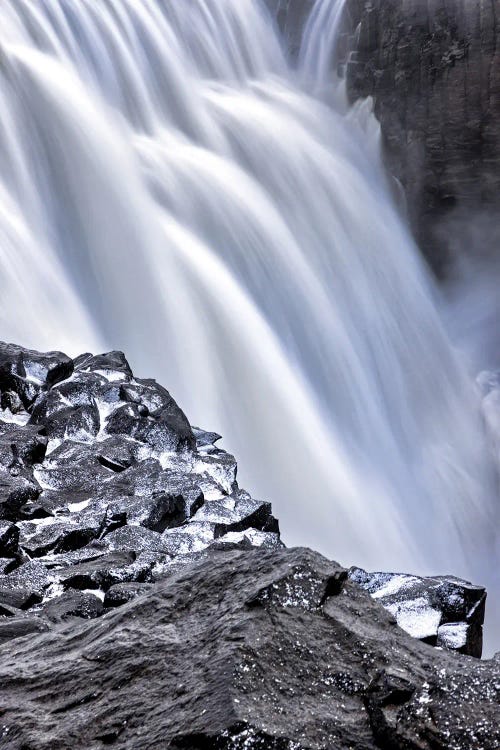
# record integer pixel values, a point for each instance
(245, 649)
(443, 611)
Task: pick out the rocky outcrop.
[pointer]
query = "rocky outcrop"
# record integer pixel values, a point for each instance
(147, 601)
(254, 649)
(104, 487)
(443, 611)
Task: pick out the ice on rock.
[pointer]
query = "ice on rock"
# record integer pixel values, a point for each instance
(442, 611)
(110, 485)
(416, 617)
(453, 635)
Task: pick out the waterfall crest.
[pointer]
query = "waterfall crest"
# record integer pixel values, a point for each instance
(171, 186)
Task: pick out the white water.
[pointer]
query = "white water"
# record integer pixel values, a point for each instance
(170, 186)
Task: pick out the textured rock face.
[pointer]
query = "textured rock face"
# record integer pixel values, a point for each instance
(146, 600)
(105, 489)
(103, 484)
(443, 611)
(432, 68)
(254, 649)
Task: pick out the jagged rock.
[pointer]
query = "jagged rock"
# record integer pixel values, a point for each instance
(113, 365)
(26, 372)
(132, 538)
(442, 611)
(100, 573)
(73, 604)
(230, 514)
(205, 440)
(121, 593)
(192, 537)
(18, 627)
(60, 536)
(258, 649)
(88, 490)
(16, 489)
(9, 539)
(8, 564)
(31, 577)
(21, 446)
(18, 598)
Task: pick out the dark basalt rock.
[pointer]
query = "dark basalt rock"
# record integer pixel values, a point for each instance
(9, 539)
(122, 593)
(442, 611)
(161, 610)
(16, 489)
(73, 604)
(26, 373)
(104, 482)
(255, 649)
(19, 627)
(432, 70)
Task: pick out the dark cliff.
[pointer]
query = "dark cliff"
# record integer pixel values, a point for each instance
(432, 67)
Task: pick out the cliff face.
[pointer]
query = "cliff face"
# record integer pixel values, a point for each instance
(432, 67)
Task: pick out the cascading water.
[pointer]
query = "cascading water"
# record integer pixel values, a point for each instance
(169, 185)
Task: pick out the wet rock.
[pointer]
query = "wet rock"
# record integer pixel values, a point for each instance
(18, 627)
(8, 564)
(163, 432)
(192, 537)
(113, 365)
(21, 446)
(73, 604)
(30, 577)
(19, 598)
(122, 593)
(26, 372)
(315, 663)
(9, 539)
(60, 536)
(16, 489)
(100, 573)
(443, 611)
(205, 439)
(133, 538)
(237, 514)
(155, 512)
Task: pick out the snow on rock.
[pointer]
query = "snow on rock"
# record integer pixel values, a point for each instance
(104, 482)
(443, 611)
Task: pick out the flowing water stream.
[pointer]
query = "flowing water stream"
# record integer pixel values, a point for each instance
(172, 186)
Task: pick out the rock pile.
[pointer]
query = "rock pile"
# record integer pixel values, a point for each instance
(104, 486)
(105, 489)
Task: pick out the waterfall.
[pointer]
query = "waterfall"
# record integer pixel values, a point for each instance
(171, 185)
